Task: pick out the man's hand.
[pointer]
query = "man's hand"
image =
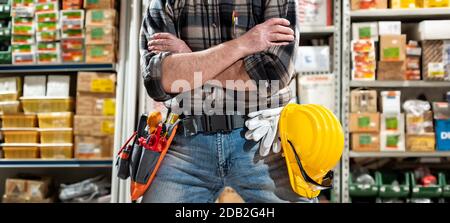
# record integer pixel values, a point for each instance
(273, 32)
(166, 42)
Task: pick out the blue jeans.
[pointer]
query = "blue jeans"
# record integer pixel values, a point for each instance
(197, 168)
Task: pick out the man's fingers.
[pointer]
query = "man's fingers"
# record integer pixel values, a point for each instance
(157, 42)
(278, 21)
(283, 30)
(280, 44)
(163, 36)
(277, 37)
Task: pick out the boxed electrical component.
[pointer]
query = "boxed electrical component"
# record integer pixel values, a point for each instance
(364, 122)
(443, 135)
(96, 104)
(94, 125)
(390, 102)
(72, 34)
(47, 7)
(23, 58)
(47, 17)
(22, 11)
(365, 30)
(72, 14)
(392, 47)
(107, 35)
(393, 122)
(368, 4)
(363, 100)
(419, 124)
(101, 17)
(315, 13)
(389, 28)
(365, 142)
(72, 44)
(72, 24)
(104, 53)
(25, 30)
(22, 40)
(48, 47)
(48, 36)
(363, 59)
(26, 48)
(93, 147)
(441, 110)
(436, 3)
(433, 64)
(94, 82)
(47, 26)
(72, 4)
(34, 86)
(420, 143)
(309, 58)
(48, 57)
(99, 4)
(392, 141)
(412, 63)
(432, 30)
(58, 85)
(73, 56)
(391, 70)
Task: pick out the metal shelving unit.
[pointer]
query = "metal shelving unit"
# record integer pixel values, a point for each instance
(37, 68)
(348, 17)
(39, 163)
(317, 30)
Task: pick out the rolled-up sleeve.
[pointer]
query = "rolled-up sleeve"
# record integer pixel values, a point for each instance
(276, 64)
(157, 19)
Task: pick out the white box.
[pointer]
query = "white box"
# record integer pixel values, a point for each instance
(58, 85)
(392, 141)
(392, 122)
(8, 84)
(433, 30)
(363, 30)
(34, 86)
(313, 58)
(390, 102)
(317, 89)
(390, 28)
(315, 13)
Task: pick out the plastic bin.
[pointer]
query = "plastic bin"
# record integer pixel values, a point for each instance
(56, 120)
(432, 191)
(10, 96)
(387, 190)
(6, 56)
(18, 121)
(46, 104)
(9, 107)
(21, 152)
(446, 186)
(56, 135)
(361, 190)
(56, 151)
(20, 136)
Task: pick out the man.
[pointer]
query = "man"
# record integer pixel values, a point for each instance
(245, 41)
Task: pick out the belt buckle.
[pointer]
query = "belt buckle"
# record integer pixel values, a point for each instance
(218, 123)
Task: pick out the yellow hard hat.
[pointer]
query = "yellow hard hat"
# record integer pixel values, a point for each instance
(313, 141)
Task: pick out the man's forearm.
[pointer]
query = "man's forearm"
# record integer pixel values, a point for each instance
(209, 62)
(237, 77)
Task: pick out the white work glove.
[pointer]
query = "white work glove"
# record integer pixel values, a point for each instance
(263, 126)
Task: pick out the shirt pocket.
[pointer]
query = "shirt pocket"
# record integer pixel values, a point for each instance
(241, 25)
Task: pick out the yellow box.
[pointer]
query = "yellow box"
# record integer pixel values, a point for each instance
(9, 107)
(47, 104)
(56, 120)
(18, 121)
(95, 82)
(62, 135)
(436, 3)
(421, 143)
(57, 151)
(21, 136)
(21, 152)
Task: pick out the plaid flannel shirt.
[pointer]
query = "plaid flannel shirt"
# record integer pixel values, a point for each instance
(205, 23)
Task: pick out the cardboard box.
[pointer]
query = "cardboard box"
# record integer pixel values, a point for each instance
(100, 35)
(392, 122)
(313, 58)
(72, 4)
(365, 30)
(73, 56)
(433, 64)
(93, 147)
(317, 14)
(365, 142)
(374, 4)
(101, 53)
(441, 110)
(363, 100)
(72, 44)
(419, 124)
(99, 4)
(27, 189)
(72, 33)
(15, 187)
(48, 36)
(420, 143)
(390, 102)
(35, 86)
(390, 28)
(392, 141)
(391, 70)
(364, 122)
(58, 85)
(436, 3)
(96, 104)
(392, 47)
(101, 17)
(23, 58)
(94, 125)
(443, 135)
(432, 30)
(48, 57)
(19, 199)
(95, 82)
